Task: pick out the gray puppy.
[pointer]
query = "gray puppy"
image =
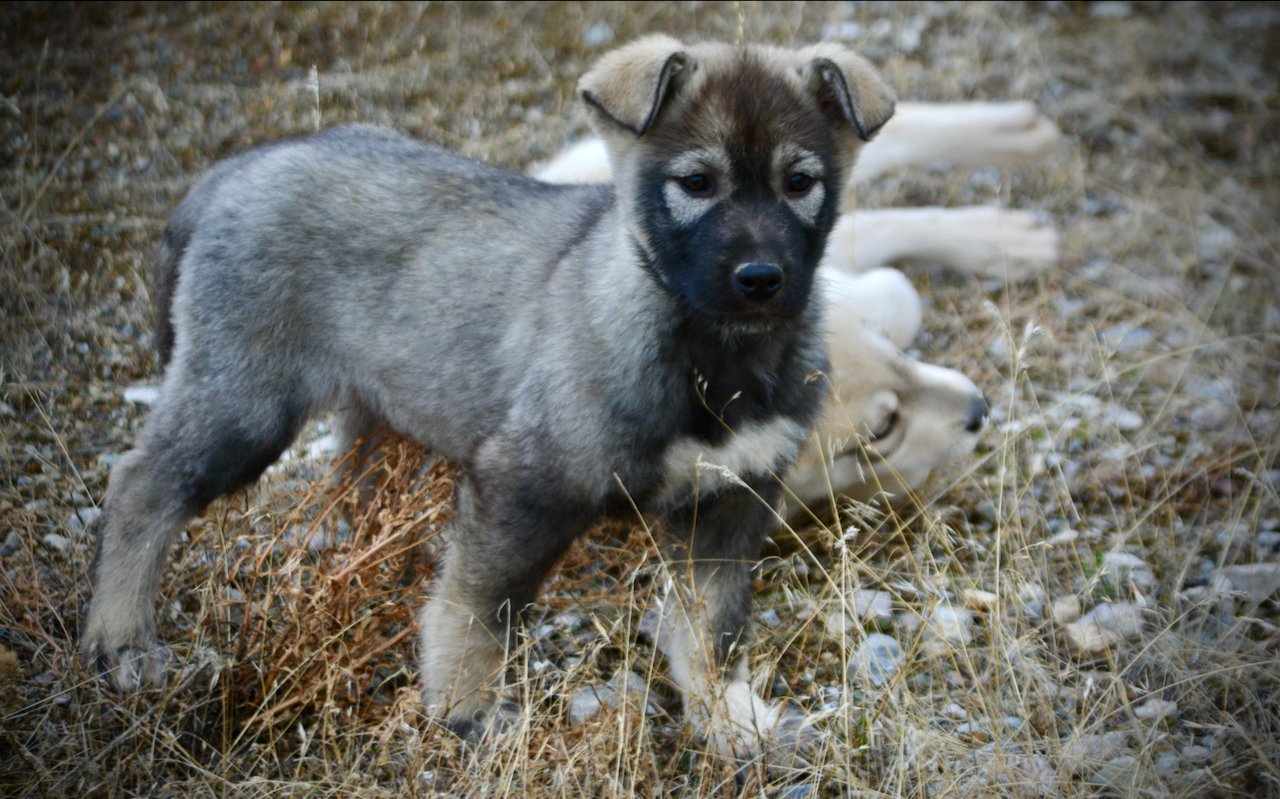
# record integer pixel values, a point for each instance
(579, 351)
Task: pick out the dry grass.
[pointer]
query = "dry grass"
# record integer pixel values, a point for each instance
(1135, 395)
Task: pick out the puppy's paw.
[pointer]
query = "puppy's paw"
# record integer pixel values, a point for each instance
(129, 666)
(742, 726)
(483, 717)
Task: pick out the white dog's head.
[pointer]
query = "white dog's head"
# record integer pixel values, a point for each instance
(892, 421)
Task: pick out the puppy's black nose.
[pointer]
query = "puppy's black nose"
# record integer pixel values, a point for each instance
(758, 281)
(979, 410)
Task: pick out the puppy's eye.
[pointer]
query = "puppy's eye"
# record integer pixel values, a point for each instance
(697, 185)
(799, 184)
(886, 429)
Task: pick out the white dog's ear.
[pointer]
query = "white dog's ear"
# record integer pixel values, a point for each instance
(848, 88)
(628, 86)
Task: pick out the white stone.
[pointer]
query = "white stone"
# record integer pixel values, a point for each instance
(142, 394)
(58, 542)
(1104, 626)
(1257, 580)
(1155, 709)
(1083, 751)
(876, 660)
(978, 599)
(1065, 609)
(1123, 572)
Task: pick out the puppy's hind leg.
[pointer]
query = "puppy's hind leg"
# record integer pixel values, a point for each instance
(199, 443)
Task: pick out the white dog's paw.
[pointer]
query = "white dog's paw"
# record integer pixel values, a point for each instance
(1007, 134)
(963, 134)
(999, 243)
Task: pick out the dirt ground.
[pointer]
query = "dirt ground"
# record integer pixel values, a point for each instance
(1132, 464)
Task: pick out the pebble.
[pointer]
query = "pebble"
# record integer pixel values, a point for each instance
(1167, 764)
(953, 710)
(948, 626)
(142, 395)
(1257, 580)
(1195, 753)
(1125, 572)
(876, 660)
(1083, 751)
(1104, 626)
(1022, 775)
(1119, 773)
(588, 700)
(977, 599)
(1032, 596)
(859, 607)
(11, 543)
(597, 35)
(58, 542)
(82, 518)
(1065, 609)
(1156, 709)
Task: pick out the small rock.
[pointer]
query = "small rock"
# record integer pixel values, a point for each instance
(876, 606)
(976, 599)
(1032, 596)
(795, 792)
(1083, 751)
(1111, 9)
(876, 660)
(859, 607)
(1065, 609)
(588, 700)
(1196, 754)
(58, 542)
(1156, 709)
(1119, 773)
(82, 519)
(1022, 775)
(1125, 572)
(954, 711)
(1123, 618)
(142, 394)
(1063, 537)
(1167, 764)
(11, 543)
(948, 626)
(597, 34)
(1257, 580)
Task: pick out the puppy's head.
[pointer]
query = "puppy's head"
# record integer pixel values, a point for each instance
(729, 163)
(891, 422)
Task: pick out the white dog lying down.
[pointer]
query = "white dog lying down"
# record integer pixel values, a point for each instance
(895, 421)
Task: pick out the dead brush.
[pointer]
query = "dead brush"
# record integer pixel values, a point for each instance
(324, 627)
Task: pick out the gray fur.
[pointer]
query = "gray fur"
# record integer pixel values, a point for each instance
(538, 335)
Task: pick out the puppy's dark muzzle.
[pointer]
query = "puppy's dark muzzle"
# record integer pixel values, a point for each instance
(758, 282)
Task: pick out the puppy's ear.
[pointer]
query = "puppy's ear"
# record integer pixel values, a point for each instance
(848, 88)
(628, 86)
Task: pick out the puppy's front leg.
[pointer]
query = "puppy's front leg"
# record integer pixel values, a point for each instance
(704, 621)
(497, 554)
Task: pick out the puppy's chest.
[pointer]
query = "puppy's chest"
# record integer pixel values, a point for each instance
(692, 465)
